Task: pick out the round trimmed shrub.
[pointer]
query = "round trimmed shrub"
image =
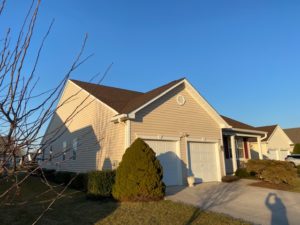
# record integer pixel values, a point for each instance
(139, 175)
(296, 149)
(273, 171)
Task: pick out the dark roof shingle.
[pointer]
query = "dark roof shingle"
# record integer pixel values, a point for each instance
(237, 124)
(294, 134)
(270, 129)
(122, 100)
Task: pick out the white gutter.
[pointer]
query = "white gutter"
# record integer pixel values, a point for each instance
(122, 117)
(251, 131)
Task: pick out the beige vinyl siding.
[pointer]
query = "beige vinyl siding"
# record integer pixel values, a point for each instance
(100, 142)
(166, 118)
(278, 141)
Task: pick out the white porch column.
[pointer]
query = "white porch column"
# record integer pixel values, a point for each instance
(233, 152)
(259, 147)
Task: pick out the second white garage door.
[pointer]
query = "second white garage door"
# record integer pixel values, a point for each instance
(167, 154)
(202, 161)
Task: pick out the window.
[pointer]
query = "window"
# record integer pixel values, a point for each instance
(64, 150)
(50, 154)
(227, 147)
(74, 145)
(240, 148)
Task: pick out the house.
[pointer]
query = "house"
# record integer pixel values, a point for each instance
(293, 134)
(237, 143)
(277, 145)
(6, 156)
(94, 124)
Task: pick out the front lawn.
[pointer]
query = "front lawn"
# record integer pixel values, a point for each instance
(24, 206)
(284, 187)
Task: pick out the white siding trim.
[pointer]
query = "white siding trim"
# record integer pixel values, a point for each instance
(158, 137)
(157, 97)
(207, 107)
(202, 140)
(127, 134)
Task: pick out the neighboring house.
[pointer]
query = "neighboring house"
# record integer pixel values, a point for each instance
(277, 145)
(175, 120)
(5, 155)
(236, 143)
(294, 134)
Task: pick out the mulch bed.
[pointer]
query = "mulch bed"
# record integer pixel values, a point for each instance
(264, 184)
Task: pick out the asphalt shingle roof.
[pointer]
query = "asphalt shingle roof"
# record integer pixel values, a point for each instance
(122, 100)
(294, 134)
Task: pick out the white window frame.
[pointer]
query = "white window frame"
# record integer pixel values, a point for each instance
(64, 150)
(238, 149)
(74, 148)
(50, 154)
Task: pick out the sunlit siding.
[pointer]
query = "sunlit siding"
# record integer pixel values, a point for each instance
(100, 142)
(166, 118)
(278, 141)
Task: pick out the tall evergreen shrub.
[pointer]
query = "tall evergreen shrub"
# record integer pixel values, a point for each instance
(139, 175)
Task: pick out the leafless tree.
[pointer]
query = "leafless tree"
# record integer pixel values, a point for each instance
(25, 110)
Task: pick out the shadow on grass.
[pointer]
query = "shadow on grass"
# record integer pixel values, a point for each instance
(194, 217)
(34, 197)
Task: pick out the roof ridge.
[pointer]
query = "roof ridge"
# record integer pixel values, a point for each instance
(274, 125)
(152, 91)
(106, 86)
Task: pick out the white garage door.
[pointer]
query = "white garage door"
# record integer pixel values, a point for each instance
(166, 152)
(283, 154)
(203, 161)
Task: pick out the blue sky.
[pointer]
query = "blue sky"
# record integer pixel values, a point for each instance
(242, 56)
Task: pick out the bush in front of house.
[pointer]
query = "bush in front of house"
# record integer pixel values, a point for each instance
(296, 149)
(80, 182)
(242, 173)
(139, 175)
(49, 174)
(273, 171)
(63, 177)
(229, 179)
(100, 184)
(298, 170)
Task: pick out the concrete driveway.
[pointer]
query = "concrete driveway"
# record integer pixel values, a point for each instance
(238, 199)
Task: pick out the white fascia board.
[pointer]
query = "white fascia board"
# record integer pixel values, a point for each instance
(154, 99)
(122, 117)
(208, 107)
(215, 115)
(59, 102)
(249, 131)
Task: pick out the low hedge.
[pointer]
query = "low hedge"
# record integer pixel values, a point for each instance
(100, 184)
(273, 171)
(242, 173)
(229, 179)
(64, 177)
(97, 184)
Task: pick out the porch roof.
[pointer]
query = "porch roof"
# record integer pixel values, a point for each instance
(240, 127)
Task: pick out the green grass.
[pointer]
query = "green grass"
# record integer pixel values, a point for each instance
(25, 205)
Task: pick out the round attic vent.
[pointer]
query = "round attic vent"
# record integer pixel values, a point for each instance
(180, 100)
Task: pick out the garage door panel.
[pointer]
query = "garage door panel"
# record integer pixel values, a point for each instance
(166, 153)
(203, 161)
